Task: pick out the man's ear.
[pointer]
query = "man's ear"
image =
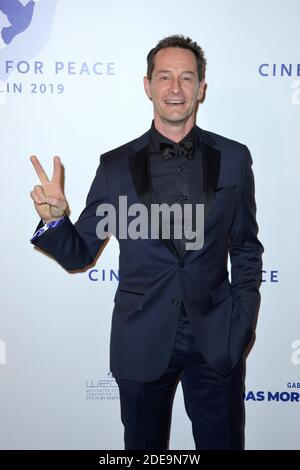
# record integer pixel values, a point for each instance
(201, 89)
(147, 87)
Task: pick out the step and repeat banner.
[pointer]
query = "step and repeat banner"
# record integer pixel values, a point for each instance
(71, 85)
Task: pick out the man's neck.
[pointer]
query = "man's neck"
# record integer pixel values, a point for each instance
(175, 132)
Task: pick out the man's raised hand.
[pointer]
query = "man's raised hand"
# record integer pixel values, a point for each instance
(49, 199)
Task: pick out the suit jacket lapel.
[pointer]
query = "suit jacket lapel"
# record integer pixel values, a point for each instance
(211, 158)
(140, 172)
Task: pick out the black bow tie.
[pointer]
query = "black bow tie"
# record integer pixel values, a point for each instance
(171, 150)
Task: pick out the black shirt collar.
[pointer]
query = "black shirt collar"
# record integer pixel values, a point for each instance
(156, 137)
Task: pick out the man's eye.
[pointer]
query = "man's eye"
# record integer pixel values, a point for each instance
(164, 77)
(187, 78)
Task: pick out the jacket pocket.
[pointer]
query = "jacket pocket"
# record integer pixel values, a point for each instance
(224, 193)
(129, 300)
(225, 188)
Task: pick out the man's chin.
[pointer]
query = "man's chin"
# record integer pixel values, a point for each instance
(179, 119)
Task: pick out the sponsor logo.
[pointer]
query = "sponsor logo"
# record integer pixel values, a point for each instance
(109, 275)
(25, 28)
(275, 396)
(102, 389)
(270, 275)
(18, 18)
(279, 70)
(282, 71)
(290, 395)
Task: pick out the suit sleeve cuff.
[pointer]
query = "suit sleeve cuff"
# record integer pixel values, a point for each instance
(45, 227)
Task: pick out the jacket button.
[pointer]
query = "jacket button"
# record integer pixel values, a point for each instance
(181, 263)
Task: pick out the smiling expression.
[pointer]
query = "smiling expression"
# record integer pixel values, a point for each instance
(174, 88)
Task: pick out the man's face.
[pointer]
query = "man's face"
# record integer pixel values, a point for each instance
(174, 87)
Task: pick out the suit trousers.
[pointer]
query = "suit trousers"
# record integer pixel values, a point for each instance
(214, 403)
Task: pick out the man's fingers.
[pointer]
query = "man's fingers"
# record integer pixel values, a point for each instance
(56, 202)
(56, 175)
(39, 169)
(38, 195)
(39, 192)
(35, 198)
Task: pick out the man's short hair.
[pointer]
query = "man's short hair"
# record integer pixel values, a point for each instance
(178, 40)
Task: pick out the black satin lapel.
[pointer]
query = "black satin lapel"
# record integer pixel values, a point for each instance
(197, 181)
(211, 168)
(139, 164)
(140, 172)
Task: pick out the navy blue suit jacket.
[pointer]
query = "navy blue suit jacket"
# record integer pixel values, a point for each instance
(154, 279)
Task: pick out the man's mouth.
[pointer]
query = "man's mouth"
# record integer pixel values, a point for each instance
(175, 102)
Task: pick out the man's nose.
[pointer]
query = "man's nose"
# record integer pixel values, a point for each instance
(175, 85)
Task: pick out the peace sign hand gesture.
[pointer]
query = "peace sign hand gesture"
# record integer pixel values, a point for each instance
(49, 199)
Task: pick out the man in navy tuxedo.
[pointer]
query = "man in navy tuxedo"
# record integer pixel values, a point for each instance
(176, 316)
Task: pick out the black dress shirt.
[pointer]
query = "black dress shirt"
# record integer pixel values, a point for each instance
(174, 179)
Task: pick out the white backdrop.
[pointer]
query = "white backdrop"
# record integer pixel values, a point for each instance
(71, 85)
